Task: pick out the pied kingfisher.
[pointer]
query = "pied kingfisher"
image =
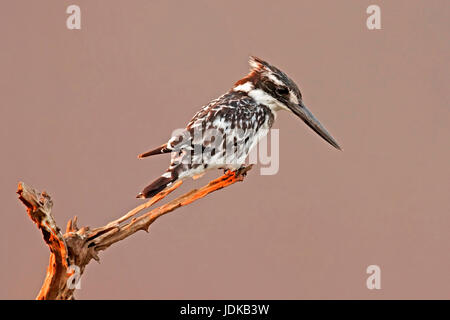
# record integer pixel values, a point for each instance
(235, 121)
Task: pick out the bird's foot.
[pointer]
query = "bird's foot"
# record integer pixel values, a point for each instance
(242, 171)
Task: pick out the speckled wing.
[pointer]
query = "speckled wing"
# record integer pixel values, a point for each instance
(221, 134)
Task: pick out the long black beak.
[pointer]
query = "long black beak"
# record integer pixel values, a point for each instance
(306, 115)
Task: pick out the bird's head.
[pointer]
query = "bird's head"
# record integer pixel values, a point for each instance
(271, 87)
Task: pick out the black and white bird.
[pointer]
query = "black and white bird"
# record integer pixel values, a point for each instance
(222, 133)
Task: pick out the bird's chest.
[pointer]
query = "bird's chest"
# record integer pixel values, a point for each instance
(250, 128)
(228, 132)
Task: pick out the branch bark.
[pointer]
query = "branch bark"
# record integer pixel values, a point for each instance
(71, 252)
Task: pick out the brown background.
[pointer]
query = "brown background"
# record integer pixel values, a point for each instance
(78, 106)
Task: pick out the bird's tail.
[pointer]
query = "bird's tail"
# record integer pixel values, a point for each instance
(158, 185)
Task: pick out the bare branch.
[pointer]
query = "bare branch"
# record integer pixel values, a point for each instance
(79, 246)
(39, 206)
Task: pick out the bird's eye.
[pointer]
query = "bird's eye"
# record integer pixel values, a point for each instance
(282, 91)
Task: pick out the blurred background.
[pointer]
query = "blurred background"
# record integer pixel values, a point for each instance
(77, 106)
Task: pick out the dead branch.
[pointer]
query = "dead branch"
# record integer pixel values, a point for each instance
(70, 253)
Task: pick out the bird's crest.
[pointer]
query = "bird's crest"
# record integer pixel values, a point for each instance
(257, 64)
(257, 68)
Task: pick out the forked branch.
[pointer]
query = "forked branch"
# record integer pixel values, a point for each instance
(70, 253)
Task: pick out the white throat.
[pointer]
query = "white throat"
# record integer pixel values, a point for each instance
(261, 97)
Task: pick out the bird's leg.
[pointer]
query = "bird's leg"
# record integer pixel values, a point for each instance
(241, 171)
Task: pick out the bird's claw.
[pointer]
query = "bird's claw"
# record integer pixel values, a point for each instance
(241, 172)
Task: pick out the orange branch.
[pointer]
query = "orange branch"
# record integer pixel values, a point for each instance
(79, 246)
